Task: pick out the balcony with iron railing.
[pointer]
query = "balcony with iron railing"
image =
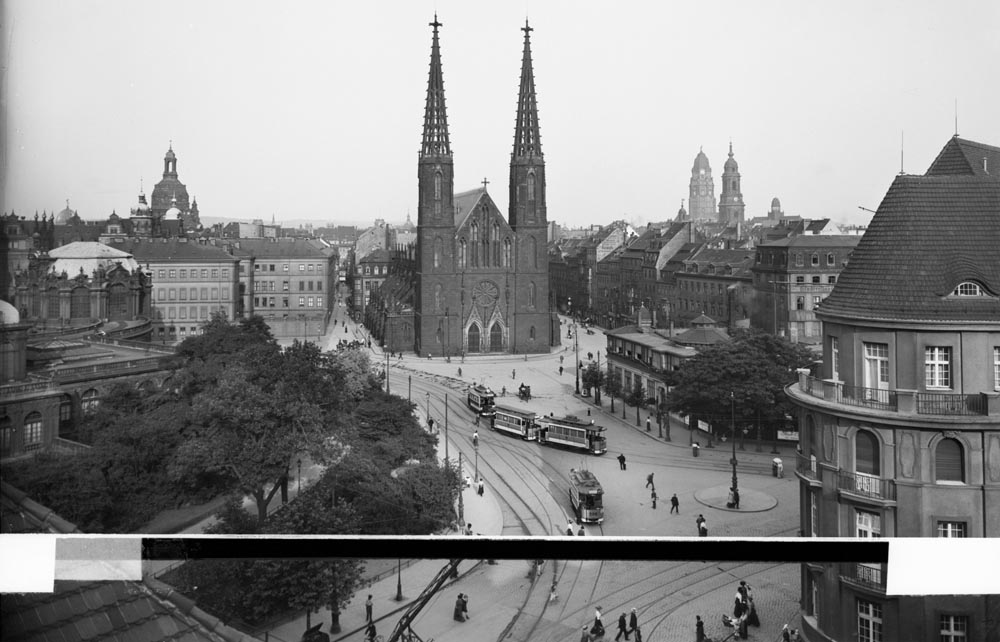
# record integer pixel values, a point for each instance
(869, 576)
(866, 487)
(805, 466)
(904, 402)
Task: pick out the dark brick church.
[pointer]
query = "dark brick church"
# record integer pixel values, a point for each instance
(480, 282)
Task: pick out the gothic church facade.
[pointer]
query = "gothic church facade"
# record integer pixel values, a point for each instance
(481, 281)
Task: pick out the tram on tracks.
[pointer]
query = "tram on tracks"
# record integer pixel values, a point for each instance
(481, 400)
(573, 433)
(515, 422)
(586, 495)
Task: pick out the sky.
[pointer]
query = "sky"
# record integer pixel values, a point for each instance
(313, 110)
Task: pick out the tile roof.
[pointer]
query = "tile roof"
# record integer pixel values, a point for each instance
(147, 611)
(814, 240)
(930, 233)
(960, 156)
(173, 250)
(284, 249)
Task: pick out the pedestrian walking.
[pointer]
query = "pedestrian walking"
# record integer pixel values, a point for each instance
(633, 623)
(621, 460)
(581, 532)
(481, 487)
(752, 618)
(622, 627)
(786, 634)
(459, 372)
(370, 632)
(736, 497)
(598, 628)
(647, 424)
(513, 374)
(738, 608)
(459, 616)
(741, 626)
(702, 526)
(699, 629)
(649, 480)
(368, 609)
(430, 425)
(475, 437)
(465, 605)
(675, 504)
(560, 370)
(569, 528)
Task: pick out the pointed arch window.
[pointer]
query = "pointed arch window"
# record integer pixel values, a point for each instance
(475, 245)
(437, 251)
(496, 244)
(531, 187)
(531, 333)
(533, 248)
(506, 252)
(462, 253)
(531, 295)
(437, 186)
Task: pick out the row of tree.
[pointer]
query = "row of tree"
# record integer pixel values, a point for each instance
(741, 381)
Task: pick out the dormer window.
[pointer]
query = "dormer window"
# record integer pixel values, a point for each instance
(968, 288)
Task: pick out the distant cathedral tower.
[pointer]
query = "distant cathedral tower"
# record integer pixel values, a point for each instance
(731, 208)
(701, 199)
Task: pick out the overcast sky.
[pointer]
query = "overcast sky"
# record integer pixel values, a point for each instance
(313, 109)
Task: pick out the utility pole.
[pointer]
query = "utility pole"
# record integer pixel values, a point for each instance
(732, 404)
(446, 459)
(461, 506)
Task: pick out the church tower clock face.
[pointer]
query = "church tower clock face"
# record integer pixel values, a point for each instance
(485, 293)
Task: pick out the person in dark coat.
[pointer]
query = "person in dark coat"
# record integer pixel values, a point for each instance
(622, 627)
(736, 497)
(752, 618)
(465, 605)
(633, 622)
(742, 628)
(699, 629)
(675, 504)
(621, 461)
(597, 630)
(652, 496)
(649, 480)
(368, 609)
(459, 617)
(585, 636)
(738, 608)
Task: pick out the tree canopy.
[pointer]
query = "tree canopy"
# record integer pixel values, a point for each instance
(745, 376)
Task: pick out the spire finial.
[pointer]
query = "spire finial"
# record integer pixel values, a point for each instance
(730, 148)
(527, 136)
(485, 183)
(956, 117)
(435, 137)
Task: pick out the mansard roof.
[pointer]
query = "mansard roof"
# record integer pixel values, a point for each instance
(930, 233)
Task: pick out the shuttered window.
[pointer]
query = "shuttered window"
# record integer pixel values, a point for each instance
(949, 464)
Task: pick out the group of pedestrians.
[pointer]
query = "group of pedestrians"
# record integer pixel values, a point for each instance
(629, 627)
(570, 527)
(744, 612)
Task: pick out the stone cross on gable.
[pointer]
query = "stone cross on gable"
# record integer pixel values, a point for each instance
(485, 183)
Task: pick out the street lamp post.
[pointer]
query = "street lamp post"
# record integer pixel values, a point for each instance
(732, 403)
(386, 371)
(399, 580)
(299, 479)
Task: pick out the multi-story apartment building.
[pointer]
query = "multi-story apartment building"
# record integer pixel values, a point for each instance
(608, 301)
(289, 282)
(900, 432)
(192, 279)
(639, 355)
(716, 283)
(370, 272)
(791, 277)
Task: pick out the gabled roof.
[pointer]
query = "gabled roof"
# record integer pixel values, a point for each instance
(960, 156)
(174, 250)
(930, 233)
(466, 202)
(378, 255)
(283, 249)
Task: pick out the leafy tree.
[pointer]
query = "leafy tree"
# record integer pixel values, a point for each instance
(594, 378)
(251, 431)
(613, 386)
(70, 485)
(387, 430)
(748, 373)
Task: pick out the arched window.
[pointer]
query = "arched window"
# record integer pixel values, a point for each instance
(968, 288)
(496, 338)
(53, 296)
(90, 401)
(33, 431)
(475, 245)
(437, 186)
(437, 251)
(118, 302)
(474, 341)
(79, 303)
(866, 455)
(949, 463)
(831, 259)
(6, 436)
(462, 253)
(65, 415)
(533, 248)
(531, 333)
(506, 253)
(531, 187)
(531, 295)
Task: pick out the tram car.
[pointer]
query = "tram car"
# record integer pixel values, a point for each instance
(586, 495)
(515, 422)
(573, 433)
(481, 400)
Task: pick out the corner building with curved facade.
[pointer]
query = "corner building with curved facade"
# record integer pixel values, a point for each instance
(900, 433)
(481, 282)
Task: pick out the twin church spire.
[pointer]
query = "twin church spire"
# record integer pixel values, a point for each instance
(435, 145)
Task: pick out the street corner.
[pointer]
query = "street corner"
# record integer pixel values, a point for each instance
(751, 501)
